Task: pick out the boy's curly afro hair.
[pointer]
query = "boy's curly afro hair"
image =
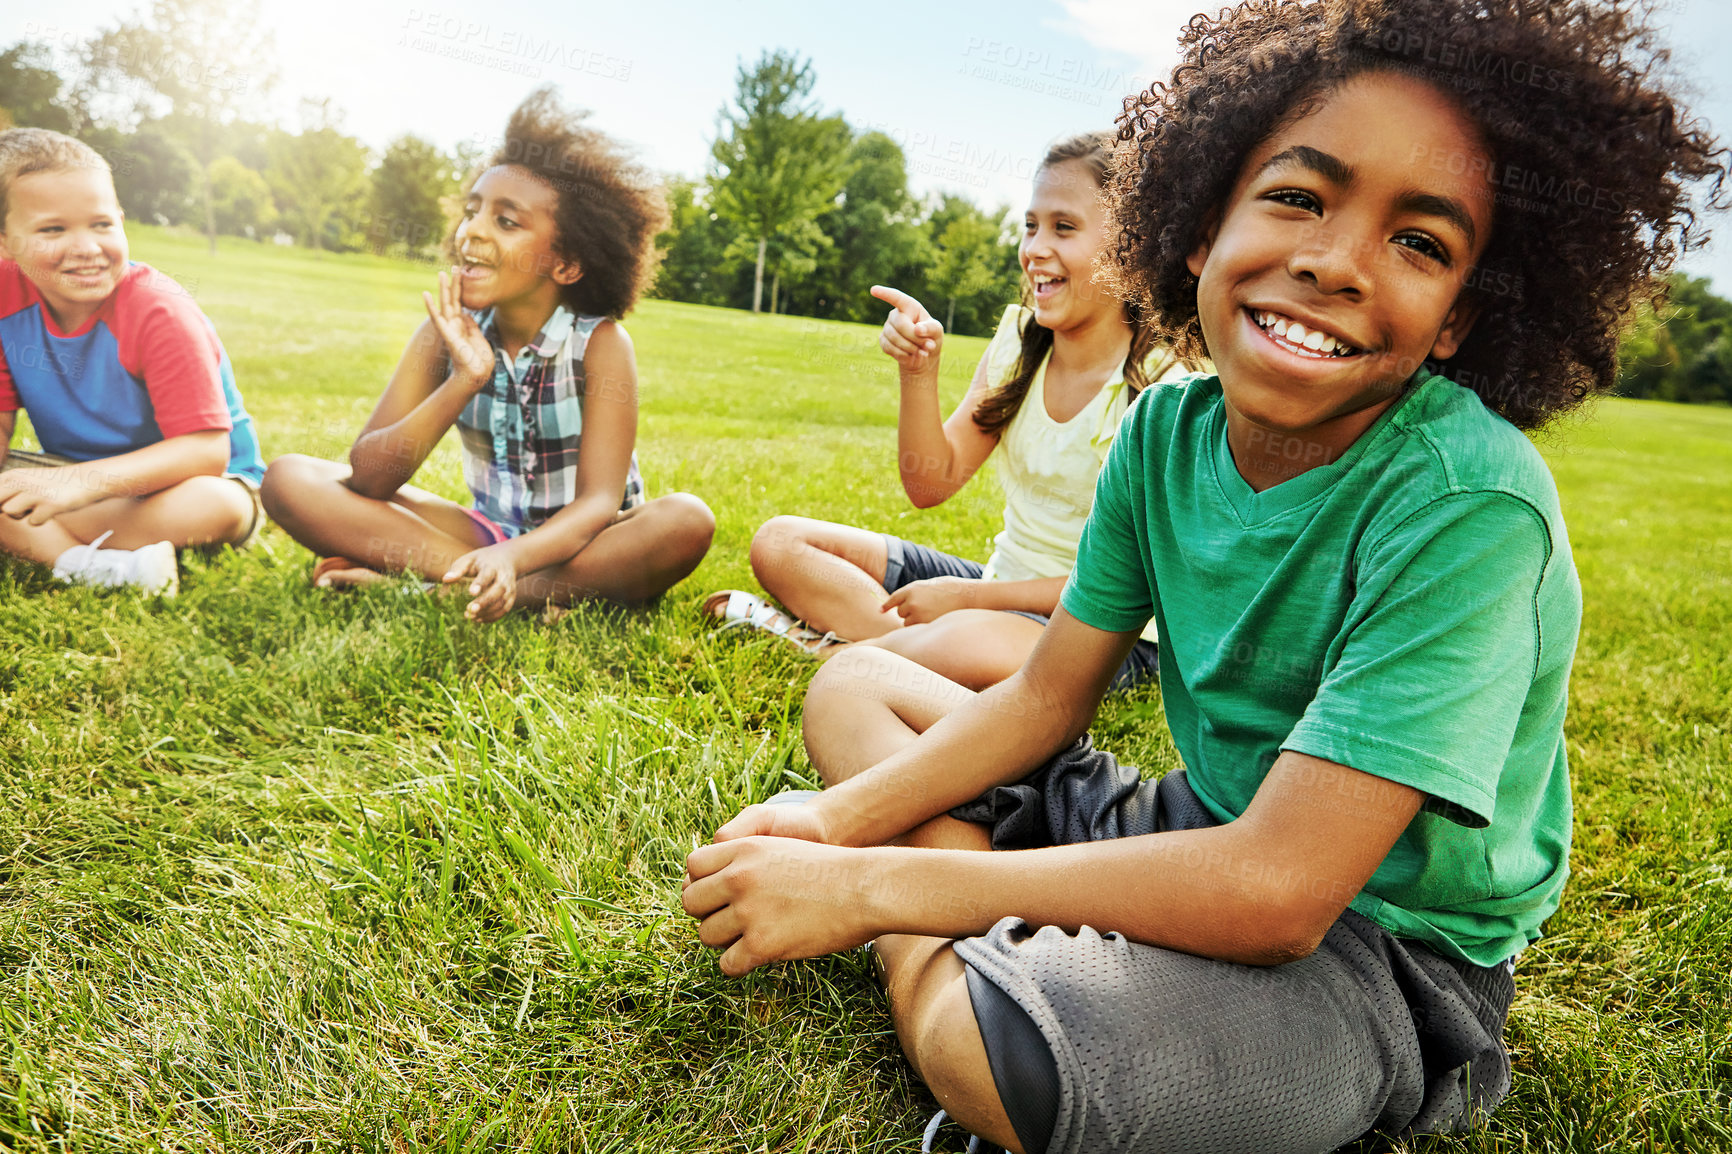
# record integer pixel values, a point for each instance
(1592, 165)
(610, 207)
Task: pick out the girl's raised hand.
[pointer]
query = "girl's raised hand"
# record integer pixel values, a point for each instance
(911, 335)
(471, 355)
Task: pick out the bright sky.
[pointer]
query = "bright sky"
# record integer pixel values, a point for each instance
(972, 90)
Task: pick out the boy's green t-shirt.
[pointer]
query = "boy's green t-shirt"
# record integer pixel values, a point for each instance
(1409, 610)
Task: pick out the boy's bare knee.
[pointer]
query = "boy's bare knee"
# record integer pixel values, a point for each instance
(860, 671)
(942, 1040)
(844, 691)
(230, 508)
(914, 642)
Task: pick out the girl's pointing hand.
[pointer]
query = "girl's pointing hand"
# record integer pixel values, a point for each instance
(911, 335)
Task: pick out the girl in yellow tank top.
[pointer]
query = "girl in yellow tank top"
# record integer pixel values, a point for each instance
(1048, 395)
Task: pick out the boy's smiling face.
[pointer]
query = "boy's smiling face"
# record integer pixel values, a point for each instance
(1340, 224)
(507, 241)
(64, 228)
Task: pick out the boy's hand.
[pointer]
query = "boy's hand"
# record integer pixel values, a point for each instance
(921, 601)
(471, 355)
(37, 496)
(492, 581)
(911, 335)
(796, 821)
(772, 899)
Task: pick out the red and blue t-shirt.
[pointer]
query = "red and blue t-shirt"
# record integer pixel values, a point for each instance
(148, 366)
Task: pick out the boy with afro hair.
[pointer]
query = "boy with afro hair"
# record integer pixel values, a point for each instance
(1405, 232)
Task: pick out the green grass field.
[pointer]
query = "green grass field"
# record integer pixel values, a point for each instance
(282, 870)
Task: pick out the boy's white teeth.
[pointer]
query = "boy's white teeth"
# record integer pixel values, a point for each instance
(1295, 333)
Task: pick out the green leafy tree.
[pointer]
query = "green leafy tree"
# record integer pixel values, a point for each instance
(319, 180)
(207, 60)
(155, 176)
(242, 199)
(410, 191)
(875, 237)
(793, 253)
(974, 270)
(1646, 356)
(1683, 350)
(30, 92)
(776, 164)
(695, 264)
(1709, 376)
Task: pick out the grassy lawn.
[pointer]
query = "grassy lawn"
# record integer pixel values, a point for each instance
(282, 870)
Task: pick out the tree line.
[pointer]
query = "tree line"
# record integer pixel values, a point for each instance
(1683, 350)
(174, 101)
(797, 211)
(800, 213)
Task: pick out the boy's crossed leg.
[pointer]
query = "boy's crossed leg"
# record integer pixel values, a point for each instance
(976, 648)
(1183, 1053)
(864, 705)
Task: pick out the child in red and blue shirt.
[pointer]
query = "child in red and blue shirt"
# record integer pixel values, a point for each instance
(147, 448)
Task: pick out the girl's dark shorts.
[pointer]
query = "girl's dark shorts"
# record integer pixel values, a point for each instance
(1098, 1043)
(910, 562)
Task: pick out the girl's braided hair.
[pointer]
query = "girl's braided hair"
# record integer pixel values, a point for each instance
(1593, 165)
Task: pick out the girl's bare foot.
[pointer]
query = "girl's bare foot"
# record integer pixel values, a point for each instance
(342, 573)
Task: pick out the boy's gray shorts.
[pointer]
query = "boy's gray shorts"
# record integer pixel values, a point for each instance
(1156, 1050)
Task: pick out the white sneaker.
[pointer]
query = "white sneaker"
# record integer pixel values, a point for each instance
(152, 568)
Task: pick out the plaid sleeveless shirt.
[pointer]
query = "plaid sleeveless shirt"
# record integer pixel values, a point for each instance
(521, 434)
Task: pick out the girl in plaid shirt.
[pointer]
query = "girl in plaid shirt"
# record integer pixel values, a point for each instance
(523, 352)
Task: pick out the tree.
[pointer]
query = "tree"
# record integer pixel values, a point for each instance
(975, 270)
(793, 252)
(1709, 375)
(695, 247)
(207, 60)
(410, 187)
(30, 95)
(1646, 356)
(319, 178)
(154, 176)
(1683, 350)
(776, 163)
(875, 236)
(242, 199)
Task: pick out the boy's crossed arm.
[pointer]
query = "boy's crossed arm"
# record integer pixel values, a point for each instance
(38, 495)
(1262, 889)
